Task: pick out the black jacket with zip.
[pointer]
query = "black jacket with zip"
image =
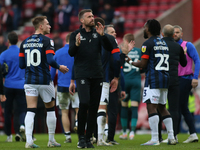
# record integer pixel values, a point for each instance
(87, 56)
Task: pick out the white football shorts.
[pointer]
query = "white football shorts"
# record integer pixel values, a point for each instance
(156, 96)
(105, 94)
(64, 99)
(46, 92)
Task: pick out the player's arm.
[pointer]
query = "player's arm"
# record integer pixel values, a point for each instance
(192, 52)
(1, 81)
(49, 46)
(144, 58)
(53, 71)
(122, 83)
(74, 43)
(183, 60)
(22, 63)
(106, 43)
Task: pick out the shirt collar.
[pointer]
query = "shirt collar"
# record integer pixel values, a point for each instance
(180, 41)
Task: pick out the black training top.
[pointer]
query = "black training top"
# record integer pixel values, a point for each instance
(176, 55)
(87, 56)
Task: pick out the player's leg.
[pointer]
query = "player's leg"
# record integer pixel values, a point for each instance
(31, 100)
(63, 100)
(83, 88)
(185, 88)
(101, 115)
(21, 107)
(8, 112)
(151, 98)
(47, 94)
(124, 111)
(134, 118)
(95, 95)
(113, 107)
(135, 95)
(75, 105)
(166, 117)
(124, 118)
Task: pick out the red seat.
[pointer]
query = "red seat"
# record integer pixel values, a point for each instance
(142, 9)
(29, 29)
(128, 25)
(130, 18)
(24, 36)
(74, 19)
(122, 10)
(152, 16)
(63, 35)
(132, 10)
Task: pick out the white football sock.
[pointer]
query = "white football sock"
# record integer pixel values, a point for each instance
(153, 123)
(29, 122)
(101, 121)
(169, 125)
(51, 124)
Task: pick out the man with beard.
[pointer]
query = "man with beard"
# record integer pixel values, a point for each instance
(155, 55)
(177, 56)
(187, 80)
(85, 46)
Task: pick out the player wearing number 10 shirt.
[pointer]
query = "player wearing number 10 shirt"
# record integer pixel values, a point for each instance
(36, 54)
(34, 49)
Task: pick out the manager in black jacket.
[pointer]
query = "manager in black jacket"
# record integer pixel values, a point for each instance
(85, 46)
(176, 55)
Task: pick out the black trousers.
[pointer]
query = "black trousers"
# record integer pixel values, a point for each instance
(17, 96)
(173, 102)
(112, 114)
(185, 88)
(89, 92)
(174, 110)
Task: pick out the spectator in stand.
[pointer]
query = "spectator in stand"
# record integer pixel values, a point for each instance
(64, 13)
(75, 4)
(58, 42)
(48, 10)
(55, 3)
(6, 22)
(17, 9)
(3, 46)
(118, 22)
(107, 13)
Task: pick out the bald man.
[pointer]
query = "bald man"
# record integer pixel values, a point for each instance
(176, 55)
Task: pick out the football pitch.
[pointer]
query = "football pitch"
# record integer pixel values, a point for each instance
(42, 140)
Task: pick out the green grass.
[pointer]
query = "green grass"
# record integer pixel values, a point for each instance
(124, 144)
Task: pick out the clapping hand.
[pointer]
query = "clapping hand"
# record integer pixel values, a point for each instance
(100, 28)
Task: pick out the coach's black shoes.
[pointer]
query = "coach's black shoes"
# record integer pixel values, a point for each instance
(81, 142)
(89, 144)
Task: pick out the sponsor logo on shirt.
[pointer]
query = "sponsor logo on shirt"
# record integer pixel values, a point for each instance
(144, 49)
(94, 35)
(82, 38)
(51, 42)
(82, 81)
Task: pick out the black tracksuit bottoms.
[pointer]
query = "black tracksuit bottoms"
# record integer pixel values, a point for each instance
(89, 92)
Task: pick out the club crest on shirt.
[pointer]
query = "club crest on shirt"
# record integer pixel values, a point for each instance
(94, 35)
(144, 49)
(51, 42)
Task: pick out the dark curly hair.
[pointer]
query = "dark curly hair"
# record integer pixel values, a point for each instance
(154, 27)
